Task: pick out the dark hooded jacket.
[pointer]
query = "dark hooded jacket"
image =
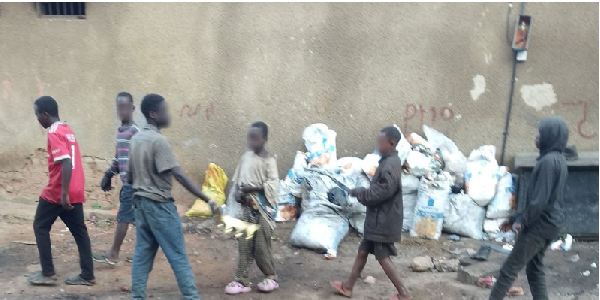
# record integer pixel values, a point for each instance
(543, 213)
(383, 199)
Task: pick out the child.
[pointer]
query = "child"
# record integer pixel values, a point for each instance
(540, 223)
(125, 215)
(151, 168)
(255, 183)
(383, 224)
(63, 197)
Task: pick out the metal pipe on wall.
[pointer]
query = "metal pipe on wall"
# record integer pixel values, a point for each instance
(510, 97)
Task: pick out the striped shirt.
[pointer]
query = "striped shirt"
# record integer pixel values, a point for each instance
(119, 163)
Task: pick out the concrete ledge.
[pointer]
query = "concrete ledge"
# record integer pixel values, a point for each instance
(585, 159)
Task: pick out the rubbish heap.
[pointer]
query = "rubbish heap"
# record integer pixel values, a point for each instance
(442, 190)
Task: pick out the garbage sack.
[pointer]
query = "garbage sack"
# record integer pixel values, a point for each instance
(408, 205)
(482, 175)
(349, 164)
(357, 221)
(429, 210)
(320, 229)
(410, 184)
(454, 160)
(370, 164)
(287, 207)
(292, 181)
(464, 217)
(214, 185)
(419, 164)
(403, 146)
(320, 144)
(500, 207)
(492, 226)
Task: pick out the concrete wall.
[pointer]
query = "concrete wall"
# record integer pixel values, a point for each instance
(356, 67)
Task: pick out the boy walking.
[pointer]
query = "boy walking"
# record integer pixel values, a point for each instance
(255, 183)
(383, 223)
(540, 223)
(63, 197)
(125, 216)
(151, 168)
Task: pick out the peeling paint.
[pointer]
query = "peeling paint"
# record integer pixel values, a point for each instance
(478, 87)
(538, 96)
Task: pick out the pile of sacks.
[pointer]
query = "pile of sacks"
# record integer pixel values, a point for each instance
(442, 190)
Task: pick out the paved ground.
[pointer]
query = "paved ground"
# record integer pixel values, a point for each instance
(304, 274)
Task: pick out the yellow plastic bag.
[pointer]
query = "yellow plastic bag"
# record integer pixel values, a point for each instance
(214, 187)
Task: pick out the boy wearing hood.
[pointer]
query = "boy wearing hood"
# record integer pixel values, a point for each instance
(541, 220)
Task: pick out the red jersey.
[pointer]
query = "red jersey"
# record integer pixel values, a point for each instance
(62, 145)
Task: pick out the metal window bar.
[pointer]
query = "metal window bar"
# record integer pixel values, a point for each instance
(61, 9)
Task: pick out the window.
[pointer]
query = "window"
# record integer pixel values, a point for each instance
(52, 9)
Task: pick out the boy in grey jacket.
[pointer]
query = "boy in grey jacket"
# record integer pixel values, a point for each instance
(540, 223)
(383, 223)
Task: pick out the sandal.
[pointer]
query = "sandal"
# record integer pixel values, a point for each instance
(235, 287)
(339, 287)
(39, 279)
(77, 280)
(515, 292)
(102, 258)
(268, 285)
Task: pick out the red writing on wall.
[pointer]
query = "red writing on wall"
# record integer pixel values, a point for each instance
(416, 111)
(583, 119)
(189, 111)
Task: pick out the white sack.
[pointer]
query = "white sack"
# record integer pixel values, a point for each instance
(464, 217)
(321, 230)
(429, 210)
(500, 205)
(482, 175)
(320, 144)
(370, 164)
(454, 160)
(410, 184)
(403, 147)
(408, 206)
(419, 164)
(292, 181)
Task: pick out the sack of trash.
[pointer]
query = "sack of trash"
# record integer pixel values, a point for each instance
(320, 229)
(348, 165)
(287, 207)
(320, 144)
(292, 181)
(408, 205)
(482, 175)
(370, 164)
(403, 146)
(464, 217)
(455, 161)
(429, 210)
(500, 207)
(214, 185)
(410, 184)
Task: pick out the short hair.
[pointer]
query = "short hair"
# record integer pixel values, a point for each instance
(150, 103)
(263, 127)
(125, 94)
(392, 133)
(47, 104)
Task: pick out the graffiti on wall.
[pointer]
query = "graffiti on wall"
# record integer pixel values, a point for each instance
(432, 114)
(583, 119)
(206, 110)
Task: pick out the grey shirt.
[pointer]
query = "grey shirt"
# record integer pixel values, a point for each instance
(150, 162)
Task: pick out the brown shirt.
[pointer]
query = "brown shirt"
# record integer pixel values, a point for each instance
(150, 162)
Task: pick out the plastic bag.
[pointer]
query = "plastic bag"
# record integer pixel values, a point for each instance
(419, 164)
(214, 185)
(408, 206)
(482, 175)
(464, 217)
(455, 161)
(293, 179)
(492, 226)
(403, 147)
(429, 210)
(349, 164)
(320, 144)
(500, 205)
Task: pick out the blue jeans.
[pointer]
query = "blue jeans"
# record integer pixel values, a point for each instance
(159, 224)
(126, 214)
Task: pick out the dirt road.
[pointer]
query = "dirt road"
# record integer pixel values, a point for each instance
(304, 274)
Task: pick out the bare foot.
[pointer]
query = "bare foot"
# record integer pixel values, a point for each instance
(339, 287)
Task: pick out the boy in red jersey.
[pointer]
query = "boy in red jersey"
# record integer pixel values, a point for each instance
(63, 197)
